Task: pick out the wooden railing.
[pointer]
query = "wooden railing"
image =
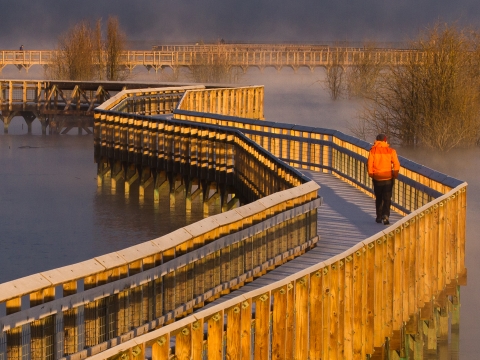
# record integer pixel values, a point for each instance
(331, 151)
(241, 55)
(244, 102)
(346, 307)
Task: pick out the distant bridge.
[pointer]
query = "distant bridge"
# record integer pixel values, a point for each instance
(242, 56)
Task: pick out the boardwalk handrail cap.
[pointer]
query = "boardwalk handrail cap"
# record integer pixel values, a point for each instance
(19, 287)
(140, 251)
(172, 239)
(73, 272)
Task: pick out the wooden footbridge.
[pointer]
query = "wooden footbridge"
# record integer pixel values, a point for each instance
(63, 105)
(294, 267)
(234, 55)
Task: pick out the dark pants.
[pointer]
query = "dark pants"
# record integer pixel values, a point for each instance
(383, 196)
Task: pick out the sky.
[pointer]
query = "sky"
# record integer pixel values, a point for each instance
(37, 24)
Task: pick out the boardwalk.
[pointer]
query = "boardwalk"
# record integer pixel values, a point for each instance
(363, 289)
(346, 217)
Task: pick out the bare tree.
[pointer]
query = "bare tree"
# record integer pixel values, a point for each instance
(434, 99)
(99, 51)
(335, 75)
(114, 46)
(73, 59)
(82, 54)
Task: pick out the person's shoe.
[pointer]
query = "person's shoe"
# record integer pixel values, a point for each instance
(378, 220)
(385, 220)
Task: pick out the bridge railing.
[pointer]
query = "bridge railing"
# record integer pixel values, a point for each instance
(245, 102)
(235, 55)
(332, 151)
(148, 101)
(345, 307)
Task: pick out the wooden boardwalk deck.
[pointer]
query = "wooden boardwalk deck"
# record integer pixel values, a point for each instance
(346, 217)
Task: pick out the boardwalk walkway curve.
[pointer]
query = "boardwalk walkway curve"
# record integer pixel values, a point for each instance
(361, 296)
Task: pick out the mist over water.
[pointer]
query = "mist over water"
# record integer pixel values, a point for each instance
(52, 213)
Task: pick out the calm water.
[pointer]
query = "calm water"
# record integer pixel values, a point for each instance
(52, 213)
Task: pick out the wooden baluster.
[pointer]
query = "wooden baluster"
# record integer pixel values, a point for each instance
(161, 348)
(215, 336)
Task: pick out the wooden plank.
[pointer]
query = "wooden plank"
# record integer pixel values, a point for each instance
(334, 314)
(434, 245)
(358, 305)
(301, 317)
(428, 278)
(246, 328)
(215, 336)
(398, 268)
(279, 323)
(262, 326)
(412, 279)
(290, 314)
(233, 349)
(197, 339)
(316, 315)
(349, 301)
(450, 241)
(341, 309)
(370, 299)
(441, 247)
(389, 255)
(161, 348)
(379, 311)
(462, 219)
(420, 261)
(183, 343)
(326, 304)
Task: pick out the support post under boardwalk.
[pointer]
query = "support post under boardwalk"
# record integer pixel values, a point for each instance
(131, 175)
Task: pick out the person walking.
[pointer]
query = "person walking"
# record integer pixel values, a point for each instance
(383, 167)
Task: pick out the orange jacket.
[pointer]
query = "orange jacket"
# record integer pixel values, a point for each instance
(382, 162)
